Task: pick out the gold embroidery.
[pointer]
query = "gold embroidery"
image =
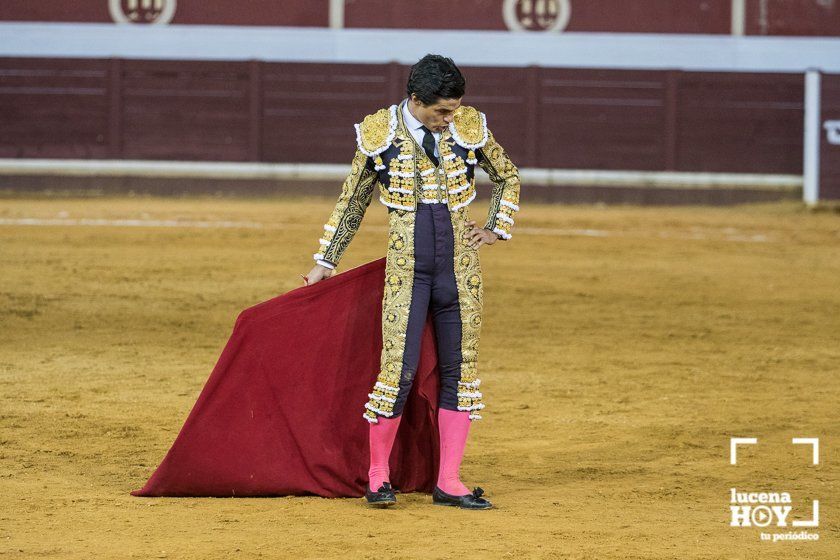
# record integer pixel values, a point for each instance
(376, 132)
(430, 182)
(504, 199)
(460, 190)
(469, 127)
(344, 221)
(470, 300)
(399, 192)
(396, 302)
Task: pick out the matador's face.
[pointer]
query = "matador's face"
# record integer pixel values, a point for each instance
(436, 116)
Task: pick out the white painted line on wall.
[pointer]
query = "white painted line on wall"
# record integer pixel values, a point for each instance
(172, 169)
(531, 177)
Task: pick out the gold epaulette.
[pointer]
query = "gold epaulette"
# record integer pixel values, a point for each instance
(377, 131)
(469, 127)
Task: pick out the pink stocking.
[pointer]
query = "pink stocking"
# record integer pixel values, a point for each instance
(454, 427)
(382, 436)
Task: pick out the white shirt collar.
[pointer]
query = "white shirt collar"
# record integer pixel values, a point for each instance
(410, 120)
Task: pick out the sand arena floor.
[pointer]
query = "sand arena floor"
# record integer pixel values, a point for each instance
(621, 349)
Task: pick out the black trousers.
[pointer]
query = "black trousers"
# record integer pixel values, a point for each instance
(434, 291)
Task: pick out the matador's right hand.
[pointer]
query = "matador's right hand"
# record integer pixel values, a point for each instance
(317, 274)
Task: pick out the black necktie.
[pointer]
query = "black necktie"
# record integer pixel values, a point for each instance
(429, 144)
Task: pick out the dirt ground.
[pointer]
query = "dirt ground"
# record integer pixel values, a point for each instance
(622, 347)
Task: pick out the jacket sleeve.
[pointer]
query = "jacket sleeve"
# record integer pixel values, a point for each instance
(504, 201)
(346, 217)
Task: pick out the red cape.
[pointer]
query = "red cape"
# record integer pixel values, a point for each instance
(281, 413)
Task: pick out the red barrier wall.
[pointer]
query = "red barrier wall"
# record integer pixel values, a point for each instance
(793, 17)
(762, 17)
(295, 112)
(210, 12)
(640, 16)
(830, 143)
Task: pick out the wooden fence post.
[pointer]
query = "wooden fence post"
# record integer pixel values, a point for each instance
(532, 109)
(672, 84)
(115, 108)
(255, 114)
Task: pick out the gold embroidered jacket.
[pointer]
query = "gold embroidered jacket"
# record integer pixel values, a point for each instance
(387, 155)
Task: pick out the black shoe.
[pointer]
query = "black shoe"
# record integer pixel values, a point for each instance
(382, 497)
(467, 501)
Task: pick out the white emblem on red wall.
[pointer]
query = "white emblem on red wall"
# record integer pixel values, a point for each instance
(536, 15)
(832, 131)
(142, 11)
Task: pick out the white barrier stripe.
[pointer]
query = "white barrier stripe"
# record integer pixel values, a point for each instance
(665, 51)
(530, 177)
(174, 169)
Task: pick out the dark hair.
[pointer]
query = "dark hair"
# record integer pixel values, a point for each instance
(435, 77)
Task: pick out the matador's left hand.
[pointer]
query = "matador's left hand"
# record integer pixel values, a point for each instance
(480, 236)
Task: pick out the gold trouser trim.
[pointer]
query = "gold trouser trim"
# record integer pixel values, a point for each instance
(470, 299)
(396, 303)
